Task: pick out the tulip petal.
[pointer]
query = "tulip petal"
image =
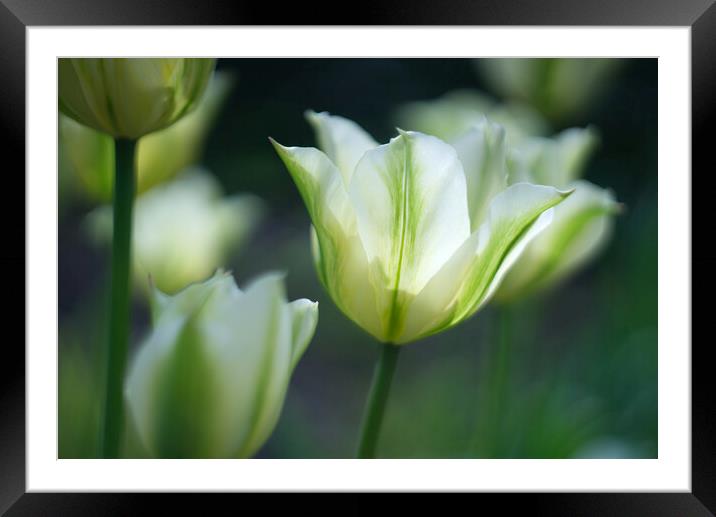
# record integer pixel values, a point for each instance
(347, 276)
(482, 153)
(338, 252)
(343, 141)
(406, 194)
(581, 226)
(472, 274)
(554, 161)
(321, 187)
(266, 324)
(304, 318)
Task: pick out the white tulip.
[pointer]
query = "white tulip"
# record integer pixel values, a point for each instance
(184, 229)
(210, 379)
(413, 236)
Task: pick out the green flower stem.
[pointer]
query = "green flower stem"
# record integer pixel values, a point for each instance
(493, 394)
(124, 188)
(498, 384)
(377, 400)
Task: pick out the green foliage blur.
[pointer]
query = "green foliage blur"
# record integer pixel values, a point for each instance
(566, 374)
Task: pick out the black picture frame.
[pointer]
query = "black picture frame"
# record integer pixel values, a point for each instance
(17, 15)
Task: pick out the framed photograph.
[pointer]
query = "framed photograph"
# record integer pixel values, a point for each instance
(427, 252)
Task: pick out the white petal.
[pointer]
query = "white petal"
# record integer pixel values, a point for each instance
(469, 278)
(581, 227)
(410, 202)
(343, 141)
(482, 154)
(304, 318)
(321, 187)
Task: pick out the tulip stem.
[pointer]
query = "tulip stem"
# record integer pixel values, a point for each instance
(119, 320)
(494, 396)
(377, 400)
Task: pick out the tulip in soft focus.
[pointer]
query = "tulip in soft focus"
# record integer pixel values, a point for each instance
(456, 112)
(87, 156)
(184, 230)
(210, 379)
(560, 88)
(414, 236)
(582, 225)
(131, 97)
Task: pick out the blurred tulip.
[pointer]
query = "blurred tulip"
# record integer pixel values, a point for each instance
(582, 224)
(87, 156)
(129, 98)
(557, 161)
(183, 230)
(560, 88)
(210, 379)
(456, 112)
(414, 236)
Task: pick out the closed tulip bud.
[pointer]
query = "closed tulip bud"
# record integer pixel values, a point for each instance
(129, 98)
(210, 379)
(414, 236)
(582, 224)
(88, 155)
(183, 230)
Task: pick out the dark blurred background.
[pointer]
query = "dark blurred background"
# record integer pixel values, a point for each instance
(580, 378)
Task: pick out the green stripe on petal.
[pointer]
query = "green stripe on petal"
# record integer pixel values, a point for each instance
(406, 194)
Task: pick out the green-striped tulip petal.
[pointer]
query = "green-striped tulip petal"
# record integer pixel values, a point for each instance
(581, 228)
(395, 241)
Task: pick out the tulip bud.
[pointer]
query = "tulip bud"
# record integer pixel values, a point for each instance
(210, 379)
(129, 98)
(404, 239)
(88, 155)
(183, 230)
